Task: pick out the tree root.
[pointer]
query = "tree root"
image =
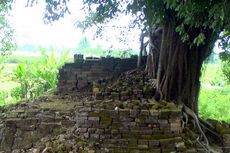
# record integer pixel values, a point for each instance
(204, 144)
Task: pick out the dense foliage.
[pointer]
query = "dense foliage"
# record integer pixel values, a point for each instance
(38, 77)
(225, 58)
(186, 15)
(6, 32)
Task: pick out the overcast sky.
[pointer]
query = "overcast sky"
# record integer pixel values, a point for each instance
(30, 29)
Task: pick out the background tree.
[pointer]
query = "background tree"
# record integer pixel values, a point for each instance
(190, 29)
(6, 32)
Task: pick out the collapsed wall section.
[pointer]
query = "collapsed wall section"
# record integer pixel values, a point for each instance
(75, 76)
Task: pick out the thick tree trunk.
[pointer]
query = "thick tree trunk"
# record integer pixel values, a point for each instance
(180, 69)
(154, 51)
(143, 51)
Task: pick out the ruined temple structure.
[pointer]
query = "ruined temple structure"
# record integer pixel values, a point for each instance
(118, 115)
(77, 75)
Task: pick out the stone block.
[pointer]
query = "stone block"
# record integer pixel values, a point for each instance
(134, 113)
(154, 143)
(94, 136)
(82, 130)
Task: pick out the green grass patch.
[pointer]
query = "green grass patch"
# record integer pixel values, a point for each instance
(215, 103)
(214, 99)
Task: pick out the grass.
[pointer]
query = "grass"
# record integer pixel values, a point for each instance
(6, 85)
(214, 99)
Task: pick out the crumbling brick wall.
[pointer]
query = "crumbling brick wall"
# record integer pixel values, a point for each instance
(75, 76)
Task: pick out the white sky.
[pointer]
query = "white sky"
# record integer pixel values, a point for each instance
(30, 29)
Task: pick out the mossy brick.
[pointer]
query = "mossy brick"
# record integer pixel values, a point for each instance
(119, 151)
(105, 117)
(114, 113)
(163, 121)
(164, 126)
(154, 112)
(144, 113)
(168, 141)
(175, 120)
(81, 120)
(160, 136)
(143, 142)
(175, 127)
(84, 125)
(107, 131)
(164, 113)
(175, 112)
(68, 123)
(154, 143)
(146, 132)
(142, 146)
(167, 150)
(82, 130)
(134, 113)
(123, 143)
(151, 119)
(26, 140)
(85, 109)
(93, 114)
(105, 136)
(98, 96)
(132, 124)
(145, 136)
(116, 125)
(17, 122)
(132, 143)
(94, 118)
(94, 136)
(114, 131)
(124, 112)
(100, 131)
(91, 130)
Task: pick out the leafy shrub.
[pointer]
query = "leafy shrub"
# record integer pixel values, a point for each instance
(3, 96)
(214, 103)
(225, 58)
(16, 93)
(38, 77)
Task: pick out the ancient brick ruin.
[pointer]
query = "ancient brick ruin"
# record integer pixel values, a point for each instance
(75, 76)
(119, 116)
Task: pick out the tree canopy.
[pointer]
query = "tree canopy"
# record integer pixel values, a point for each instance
(185, 15)
(6, 33)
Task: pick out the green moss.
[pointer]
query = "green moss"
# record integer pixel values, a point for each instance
(157, 107)
(168, 150)
(132, 143)
(168, 140)
(105, 117)
(61, 106)
(62, 148)
(162, 136)
(135, 102)
(93, 114)
(222, 128)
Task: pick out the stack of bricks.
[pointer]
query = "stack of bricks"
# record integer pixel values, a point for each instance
(133, 129)
(124, 94)
(226, 142)
(77, 75)
(135, 86)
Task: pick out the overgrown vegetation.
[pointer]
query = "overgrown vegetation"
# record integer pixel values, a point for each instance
(34, 77)
(225, 57)
(214, 99)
